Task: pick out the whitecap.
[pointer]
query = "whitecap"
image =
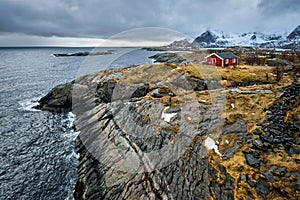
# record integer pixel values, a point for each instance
(28, 104)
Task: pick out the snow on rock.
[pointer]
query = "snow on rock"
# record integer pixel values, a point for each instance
(210, 144)
(168, 116)
(216, 38)
(232, 106)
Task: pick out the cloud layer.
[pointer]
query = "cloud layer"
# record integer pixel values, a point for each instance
(103, 18)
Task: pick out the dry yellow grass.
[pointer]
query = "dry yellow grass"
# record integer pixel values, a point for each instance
(248, 107)
(247, 73)
(149, 74)
(205, 72)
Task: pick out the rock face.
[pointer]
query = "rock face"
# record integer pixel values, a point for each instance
(145, 139)
(131, 149)
(295, 34)
(59, 99)
(205, 38)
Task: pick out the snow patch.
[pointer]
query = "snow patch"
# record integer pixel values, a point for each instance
(210, 144)
(232, 106)
(168, 116)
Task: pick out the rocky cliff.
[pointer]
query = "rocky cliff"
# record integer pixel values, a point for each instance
(146, 132)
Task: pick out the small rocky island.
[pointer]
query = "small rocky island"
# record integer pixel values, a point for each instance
(86, 53)
(183, 130)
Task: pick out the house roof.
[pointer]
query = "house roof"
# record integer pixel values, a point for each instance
(223, 55)
(226, 55)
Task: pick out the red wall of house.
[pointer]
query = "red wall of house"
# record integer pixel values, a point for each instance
(231, 62)
(218, 60)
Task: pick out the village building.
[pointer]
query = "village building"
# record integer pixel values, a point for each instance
(222, 59)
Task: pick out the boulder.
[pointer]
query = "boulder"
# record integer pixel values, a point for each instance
(294, 150)
(162, 92)
(238, 127)
(251, 160)
(140, 90)
(262, 188)
(59, 99)
(278, 62)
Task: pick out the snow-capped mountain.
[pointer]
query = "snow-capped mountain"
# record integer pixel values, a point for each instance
(295, 34)
(250, 39)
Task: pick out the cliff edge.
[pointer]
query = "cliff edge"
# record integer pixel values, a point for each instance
(163, 132)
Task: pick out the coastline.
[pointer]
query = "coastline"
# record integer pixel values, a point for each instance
(97, 98)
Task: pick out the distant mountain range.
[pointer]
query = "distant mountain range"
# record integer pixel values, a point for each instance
(219, 39)
(210, 39)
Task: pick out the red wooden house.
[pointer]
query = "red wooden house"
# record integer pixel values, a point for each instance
(222, 59)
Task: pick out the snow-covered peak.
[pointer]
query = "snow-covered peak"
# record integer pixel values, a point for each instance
(221, 39)
(251, 39)
(295, 34)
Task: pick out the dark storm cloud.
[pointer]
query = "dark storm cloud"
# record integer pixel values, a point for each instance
(102, 18)
(78, 18)
(284, 15)
(279, 7)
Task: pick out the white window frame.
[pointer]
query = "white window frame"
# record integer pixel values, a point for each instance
(226, 61)
(234, 60)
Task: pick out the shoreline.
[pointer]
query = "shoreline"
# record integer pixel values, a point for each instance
(104, 174)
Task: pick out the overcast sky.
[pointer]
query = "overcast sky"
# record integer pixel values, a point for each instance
(86, 22)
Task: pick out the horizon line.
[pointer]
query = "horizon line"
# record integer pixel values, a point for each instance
(58, 46)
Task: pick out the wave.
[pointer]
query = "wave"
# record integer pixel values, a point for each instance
(28, 104)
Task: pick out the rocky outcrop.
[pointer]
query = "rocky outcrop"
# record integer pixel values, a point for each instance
(148, 139)
(169, 58)
(131, 148)
(59, 99)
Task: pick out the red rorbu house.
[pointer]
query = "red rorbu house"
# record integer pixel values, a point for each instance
(222, 59)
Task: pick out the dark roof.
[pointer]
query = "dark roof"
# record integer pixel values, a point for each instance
(225, 55)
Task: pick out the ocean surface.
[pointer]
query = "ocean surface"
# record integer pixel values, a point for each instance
(37, 153)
